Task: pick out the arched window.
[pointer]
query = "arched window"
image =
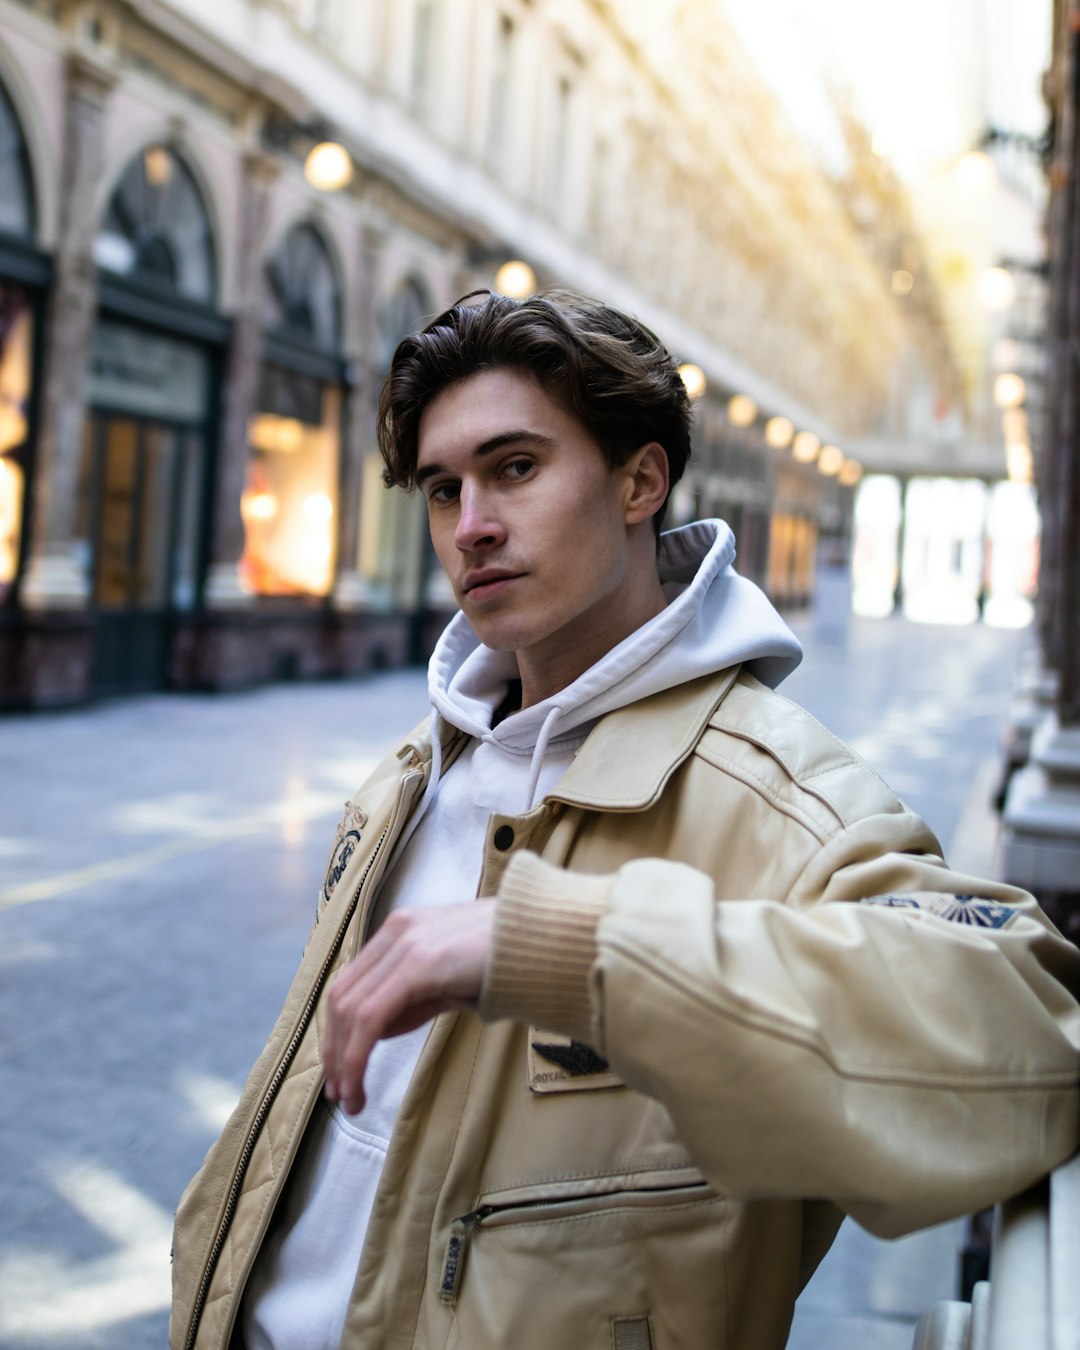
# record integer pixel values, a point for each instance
(16, 194)
(404, 311)
(303, 300)
(156, 227)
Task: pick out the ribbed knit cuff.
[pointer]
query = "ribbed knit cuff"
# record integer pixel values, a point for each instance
(543, 946)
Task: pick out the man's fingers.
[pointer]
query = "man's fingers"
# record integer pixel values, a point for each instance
(352, 1015)
(350, 1082)
(420, 963)
(365, 1015)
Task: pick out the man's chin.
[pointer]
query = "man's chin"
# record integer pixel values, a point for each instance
(493, 636)
(498, 632)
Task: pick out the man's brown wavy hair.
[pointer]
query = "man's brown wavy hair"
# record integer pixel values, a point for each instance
(611, 372)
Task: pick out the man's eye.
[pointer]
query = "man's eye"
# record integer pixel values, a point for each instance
(518, 468)
(443, 492)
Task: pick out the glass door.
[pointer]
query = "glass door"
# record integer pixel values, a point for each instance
(142, 481)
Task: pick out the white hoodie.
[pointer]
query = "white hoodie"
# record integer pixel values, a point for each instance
(299, 1291)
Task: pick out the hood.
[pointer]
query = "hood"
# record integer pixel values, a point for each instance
(714, 619)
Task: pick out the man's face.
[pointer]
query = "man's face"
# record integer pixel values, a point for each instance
(526, 517)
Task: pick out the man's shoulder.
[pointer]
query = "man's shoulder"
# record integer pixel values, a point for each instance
(779, 749)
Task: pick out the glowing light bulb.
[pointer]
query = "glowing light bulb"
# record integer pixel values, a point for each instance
(319, 508)
(259, 505)
(1009, 390)
(693, 377)
(850, 473)
(805, 447)
(831, 460)
(328, 167)
(778, 432)
(515, 279)
(741, 410)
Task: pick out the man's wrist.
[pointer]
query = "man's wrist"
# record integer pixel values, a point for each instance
(543, 947)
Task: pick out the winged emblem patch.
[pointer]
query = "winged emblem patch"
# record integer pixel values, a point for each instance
(577, 1058)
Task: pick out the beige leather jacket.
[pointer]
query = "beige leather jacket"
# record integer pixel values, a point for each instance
(721, 1059)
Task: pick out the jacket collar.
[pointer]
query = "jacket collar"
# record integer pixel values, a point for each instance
(630, 754)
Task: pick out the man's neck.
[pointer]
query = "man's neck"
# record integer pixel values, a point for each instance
(550, 667)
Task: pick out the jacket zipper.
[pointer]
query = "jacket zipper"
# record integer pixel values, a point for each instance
(271, 1091)
(464, 1226)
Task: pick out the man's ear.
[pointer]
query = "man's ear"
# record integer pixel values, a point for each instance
(645, 482)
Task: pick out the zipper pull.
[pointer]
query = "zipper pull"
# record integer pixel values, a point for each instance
(461, 1230)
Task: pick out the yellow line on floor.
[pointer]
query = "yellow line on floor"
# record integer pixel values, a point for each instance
(292, 810)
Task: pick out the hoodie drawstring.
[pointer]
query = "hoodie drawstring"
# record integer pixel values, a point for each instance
(539, 751)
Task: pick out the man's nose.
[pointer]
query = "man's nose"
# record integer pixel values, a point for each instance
(478, 524)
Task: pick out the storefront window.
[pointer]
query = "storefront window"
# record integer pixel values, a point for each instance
(156, 227)
(142, 466)
(289, 503)
(289, 500)
(15, 363)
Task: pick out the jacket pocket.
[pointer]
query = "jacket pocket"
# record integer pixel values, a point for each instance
(553, 1209)
(558, 1265)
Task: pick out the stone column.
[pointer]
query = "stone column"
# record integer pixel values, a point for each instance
(57, 575)
(350, 589)
(241, 391)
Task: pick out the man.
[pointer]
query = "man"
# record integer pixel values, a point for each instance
(727, 989)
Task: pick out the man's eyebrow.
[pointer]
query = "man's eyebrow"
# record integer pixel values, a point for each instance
(517, 436)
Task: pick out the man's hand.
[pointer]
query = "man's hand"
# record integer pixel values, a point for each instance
(419, 963)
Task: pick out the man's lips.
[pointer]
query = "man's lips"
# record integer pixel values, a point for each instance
(488, 581)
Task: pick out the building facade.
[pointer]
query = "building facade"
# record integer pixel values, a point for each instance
(192, 335)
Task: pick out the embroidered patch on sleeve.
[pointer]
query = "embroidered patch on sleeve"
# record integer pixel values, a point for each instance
(968, 909)
(348, 836)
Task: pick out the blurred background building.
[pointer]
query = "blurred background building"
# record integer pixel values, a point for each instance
(218, 218)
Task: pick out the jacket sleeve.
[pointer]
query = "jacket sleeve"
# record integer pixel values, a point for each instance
(898, 1038)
